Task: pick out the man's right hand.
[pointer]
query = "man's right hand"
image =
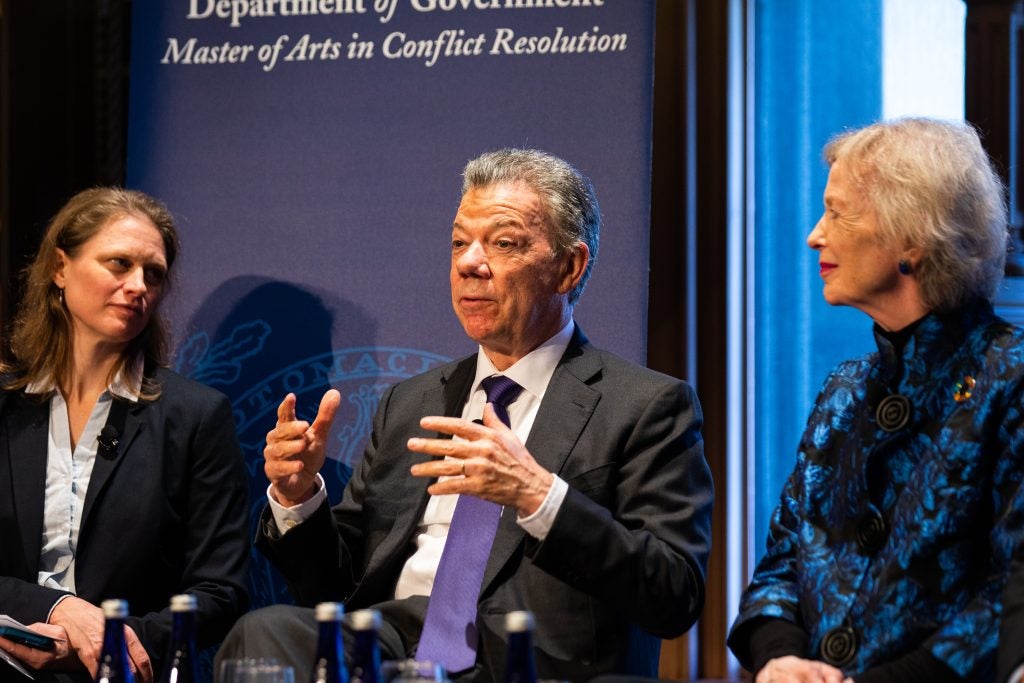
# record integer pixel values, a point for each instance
(296, 450)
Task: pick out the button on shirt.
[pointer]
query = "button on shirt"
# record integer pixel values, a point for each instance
(68, 473)
(533, 372)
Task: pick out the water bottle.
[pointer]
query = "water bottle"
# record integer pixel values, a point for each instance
(114, 666)
(366, 650)
(329, 663)
(520, 667)
(182, 660)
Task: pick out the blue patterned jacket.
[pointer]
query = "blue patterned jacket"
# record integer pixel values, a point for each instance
(893, 535)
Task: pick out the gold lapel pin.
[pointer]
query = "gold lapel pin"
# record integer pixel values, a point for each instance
(962, 392)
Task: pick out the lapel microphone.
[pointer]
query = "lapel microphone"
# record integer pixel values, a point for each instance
(108, 440)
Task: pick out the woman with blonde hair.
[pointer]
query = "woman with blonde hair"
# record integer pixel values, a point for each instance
(894, 533)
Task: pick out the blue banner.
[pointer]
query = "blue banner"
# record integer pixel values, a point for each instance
(312, 151)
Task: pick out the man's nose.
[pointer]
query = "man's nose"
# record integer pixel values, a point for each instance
(473, 261)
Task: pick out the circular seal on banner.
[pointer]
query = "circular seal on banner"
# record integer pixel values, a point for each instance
(360, 374)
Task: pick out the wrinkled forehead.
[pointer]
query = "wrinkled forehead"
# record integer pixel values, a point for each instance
(846, 183)
(502, 203)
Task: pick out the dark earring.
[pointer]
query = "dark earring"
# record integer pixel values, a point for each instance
(904, 267)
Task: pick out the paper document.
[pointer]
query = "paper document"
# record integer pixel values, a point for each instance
(9, 658)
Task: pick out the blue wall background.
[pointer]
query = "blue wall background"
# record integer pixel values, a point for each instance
(818, 72)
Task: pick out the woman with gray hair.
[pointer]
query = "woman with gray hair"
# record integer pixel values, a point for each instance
(894, 533)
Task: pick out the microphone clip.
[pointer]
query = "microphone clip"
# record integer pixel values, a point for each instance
(108, 440)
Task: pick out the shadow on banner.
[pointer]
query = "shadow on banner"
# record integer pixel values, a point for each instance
(257, 340)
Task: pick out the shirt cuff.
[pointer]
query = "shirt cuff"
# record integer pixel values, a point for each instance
(1017, 676)
(540, 522)
(60, 600)
(287, 518)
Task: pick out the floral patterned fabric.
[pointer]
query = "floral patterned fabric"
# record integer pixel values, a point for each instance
(899, 536)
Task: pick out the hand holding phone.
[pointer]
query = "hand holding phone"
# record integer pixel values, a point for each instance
(24, 636)
(36, 646)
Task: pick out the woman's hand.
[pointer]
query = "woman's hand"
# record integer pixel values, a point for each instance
(41, 659)
(790, 669)
(83, 623)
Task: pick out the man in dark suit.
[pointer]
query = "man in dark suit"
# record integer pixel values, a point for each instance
(597, 469)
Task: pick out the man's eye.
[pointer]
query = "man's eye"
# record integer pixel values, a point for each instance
(120, 263)
(504, 243)
(458, 244)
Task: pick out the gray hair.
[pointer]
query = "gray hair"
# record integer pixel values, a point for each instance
(933, 187)
(573, 215)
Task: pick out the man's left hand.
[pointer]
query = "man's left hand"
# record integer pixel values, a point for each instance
(489, 462)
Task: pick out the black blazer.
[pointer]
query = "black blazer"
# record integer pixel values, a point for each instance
(624, 562)
(166, 514)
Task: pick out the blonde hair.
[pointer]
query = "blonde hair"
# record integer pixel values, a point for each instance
(933, 187)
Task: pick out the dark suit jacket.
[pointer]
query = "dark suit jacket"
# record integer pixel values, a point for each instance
(167, 514)
(1011, 628)
(624, 562)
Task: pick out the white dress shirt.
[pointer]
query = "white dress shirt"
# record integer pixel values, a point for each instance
(68, 473)
(533, 372)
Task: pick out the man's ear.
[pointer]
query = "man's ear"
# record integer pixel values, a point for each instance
(575, 265)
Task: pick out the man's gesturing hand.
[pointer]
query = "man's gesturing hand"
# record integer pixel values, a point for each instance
(493, 462)
(296, 450)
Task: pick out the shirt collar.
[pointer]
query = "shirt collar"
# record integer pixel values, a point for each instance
(534, 370)
(127, 383)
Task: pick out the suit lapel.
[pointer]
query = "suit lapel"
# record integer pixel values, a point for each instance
(567, 406)
(446, 399)
(104, 466)
(25, 438)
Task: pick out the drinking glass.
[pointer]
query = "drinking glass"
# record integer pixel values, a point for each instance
(412, 671)
(254, 671)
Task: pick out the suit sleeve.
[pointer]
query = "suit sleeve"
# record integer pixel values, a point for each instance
(772, 592)
(21, 598)
(215, 539)
(634, 532)
(26, 601)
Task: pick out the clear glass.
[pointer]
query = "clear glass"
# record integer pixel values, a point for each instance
(254, 671)
(412, 671)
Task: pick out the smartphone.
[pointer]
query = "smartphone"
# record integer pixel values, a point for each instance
(30, 638)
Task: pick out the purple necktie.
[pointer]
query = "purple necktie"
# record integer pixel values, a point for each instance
(449, 632)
